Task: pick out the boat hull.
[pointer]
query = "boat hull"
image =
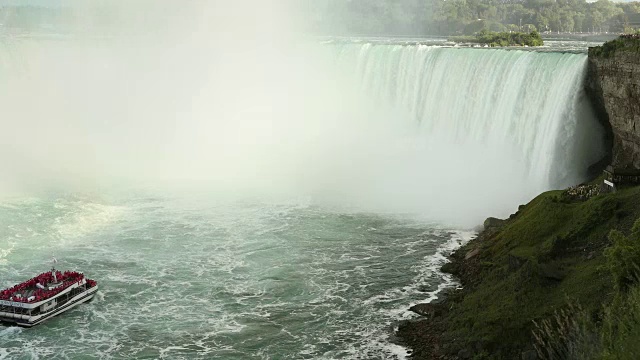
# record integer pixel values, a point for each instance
(30, 321)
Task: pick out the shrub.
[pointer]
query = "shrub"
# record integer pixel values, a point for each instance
(569, 334)
(491, 38)
(623, 257)
(622, 43)
(621, 328)
(573, 334)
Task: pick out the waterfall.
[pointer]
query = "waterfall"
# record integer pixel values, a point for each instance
(454, 135)
(528, 103)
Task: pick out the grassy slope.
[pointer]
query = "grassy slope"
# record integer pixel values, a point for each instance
(520, 267)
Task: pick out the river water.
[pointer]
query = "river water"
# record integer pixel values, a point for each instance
(223, 281)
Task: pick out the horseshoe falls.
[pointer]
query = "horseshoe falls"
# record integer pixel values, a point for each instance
(506, 123)
(529, 102)
(260, 204)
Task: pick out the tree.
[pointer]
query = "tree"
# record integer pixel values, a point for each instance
(566, 22)
(623, 257)
(459, 16)
(579, 20)
(596, 20)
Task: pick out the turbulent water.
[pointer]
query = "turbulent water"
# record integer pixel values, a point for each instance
(226, 281)
(467, 133)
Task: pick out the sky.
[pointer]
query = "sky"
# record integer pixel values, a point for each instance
(42, 3)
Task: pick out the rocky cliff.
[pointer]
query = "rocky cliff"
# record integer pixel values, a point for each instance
(613, 82)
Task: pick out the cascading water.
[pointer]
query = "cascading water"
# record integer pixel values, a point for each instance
(527, 106)
(412, 129)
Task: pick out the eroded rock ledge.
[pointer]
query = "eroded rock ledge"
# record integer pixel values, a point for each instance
(613, 83)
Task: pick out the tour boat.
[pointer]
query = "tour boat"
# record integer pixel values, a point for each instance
(45, 296)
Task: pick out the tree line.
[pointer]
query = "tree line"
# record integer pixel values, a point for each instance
(446, 17)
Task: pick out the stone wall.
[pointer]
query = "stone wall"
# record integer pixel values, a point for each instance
(613, 82)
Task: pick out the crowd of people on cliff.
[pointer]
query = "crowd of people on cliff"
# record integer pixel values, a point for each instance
(40, 282)
(582, 192)
(631, 36)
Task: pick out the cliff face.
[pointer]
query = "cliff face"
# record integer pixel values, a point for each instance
(613, 82)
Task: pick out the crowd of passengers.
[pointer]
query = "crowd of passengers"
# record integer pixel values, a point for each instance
(67, 278)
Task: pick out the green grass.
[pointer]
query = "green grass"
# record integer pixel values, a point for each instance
(574, 334)
(549, 236)
(621, 329)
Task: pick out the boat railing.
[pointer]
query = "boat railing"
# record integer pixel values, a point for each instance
(65, 280)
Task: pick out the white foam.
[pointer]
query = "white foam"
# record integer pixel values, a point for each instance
(434, 263)
(231, 270)
(84, 219)
(4, 253)
(396, 351)
(10, 331)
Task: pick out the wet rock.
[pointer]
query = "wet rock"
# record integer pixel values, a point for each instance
(472, 254)
(429, 310)
(442, 297)
(612, 82)
(450, 268)
(491, 223)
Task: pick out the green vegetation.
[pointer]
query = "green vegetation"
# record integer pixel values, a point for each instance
(574, 334)
(542, 15)
(387, 17)
(554, 252)
(466, 17)
(623, 257)
(622, 43)
(620, 331)
(502, 39)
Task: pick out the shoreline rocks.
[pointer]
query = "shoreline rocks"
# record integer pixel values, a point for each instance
(425, 336)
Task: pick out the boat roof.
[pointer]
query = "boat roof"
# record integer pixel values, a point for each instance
(40, 288)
